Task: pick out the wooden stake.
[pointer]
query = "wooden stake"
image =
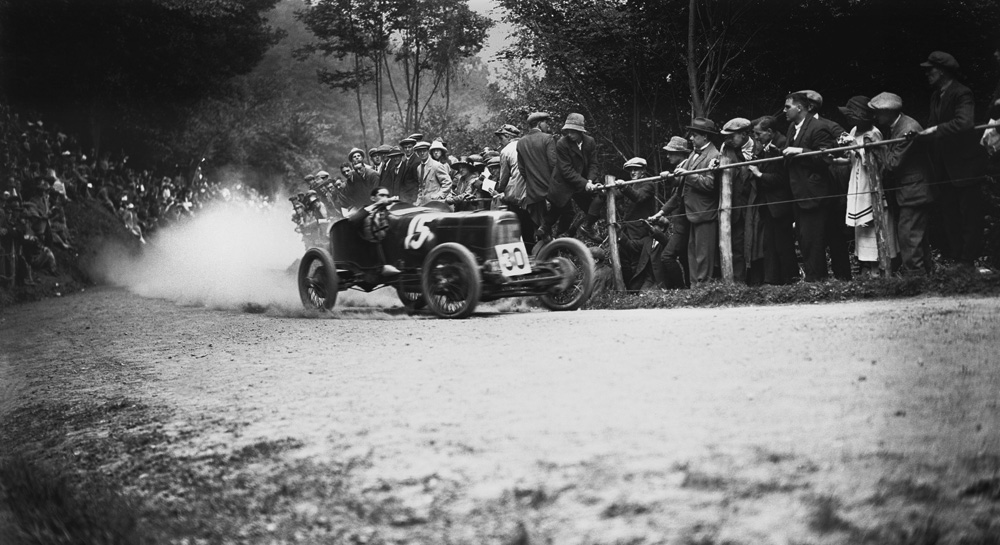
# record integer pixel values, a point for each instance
(725, 221)
(881, 220)
(616, 262)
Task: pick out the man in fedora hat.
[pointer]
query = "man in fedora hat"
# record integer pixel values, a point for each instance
(576, 162)
(958, 161)
(700, 195)
(812, 185)
(670, 267)
(906, 177)
(536, 159)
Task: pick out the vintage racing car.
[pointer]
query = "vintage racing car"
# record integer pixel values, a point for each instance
(447, 261)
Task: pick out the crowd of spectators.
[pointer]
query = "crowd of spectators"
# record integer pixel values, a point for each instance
(44, 169)
(795, 215)
(798, 213)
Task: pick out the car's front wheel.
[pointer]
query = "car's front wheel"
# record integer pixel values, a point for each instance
(317, 280)
(450, 282)
(572, 260)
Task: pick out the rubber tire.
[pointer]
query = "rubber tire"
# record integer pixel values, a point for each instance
(327, 272)
(584, 262)
(412, 300)
(467, 268)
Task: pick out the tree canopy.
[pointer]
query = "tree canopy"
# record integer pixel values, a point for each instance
(126, 64)
(414, 46)
(640, 69)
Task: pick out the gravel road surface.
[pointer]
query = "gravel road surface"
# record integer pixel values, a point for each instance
(839, 423)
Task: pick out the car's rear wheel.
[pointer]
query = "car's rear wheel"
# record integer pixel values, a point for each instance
(573, 260)
(410, 294)
(451, 283)
(317, 280)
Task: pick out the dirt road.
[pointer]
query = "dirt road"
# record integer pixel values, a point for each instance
(847, 423)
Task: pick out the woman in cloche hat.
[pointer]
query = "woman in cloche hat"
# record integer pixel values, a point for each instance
(860, 196)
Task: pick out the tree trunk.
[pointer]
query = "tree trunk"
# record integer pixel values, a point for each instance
(361, 112)
(378, 97)
(415, 92)
(392, 86)
(697, 108)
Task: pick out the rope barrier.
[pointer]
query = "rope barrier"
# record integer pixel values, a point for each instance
(661, 177)
(834, 196)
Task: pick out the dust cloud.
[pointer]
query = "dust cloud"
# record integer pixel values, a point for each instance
(229, 255)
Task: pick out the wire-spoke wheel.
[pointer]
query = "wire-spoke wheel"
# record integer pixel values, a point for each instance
(410, 294)
(318, 280)
(572, 259)
(451, 283)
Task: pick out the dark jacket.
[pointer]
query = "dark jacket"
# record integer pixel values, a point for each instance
(772, 186)
(575, 166)
(809, 177)
(700, 192)
(955, 151)
(536, 159)
(907, 165)
(405, 178)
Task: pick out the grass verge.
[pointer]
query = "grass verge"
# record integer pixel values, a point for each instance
(944, 282)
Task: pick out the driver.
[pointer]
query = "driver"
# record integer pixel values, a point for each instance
(372, 222)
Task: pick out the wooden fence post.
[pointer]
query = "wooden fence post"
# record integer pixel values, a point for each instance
(616, 263)
(725, 221)
(881, 218)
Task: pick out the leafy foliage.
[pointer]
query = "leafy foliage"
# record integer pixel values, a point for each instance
(424, 41)
(624, 64)
(125, 64)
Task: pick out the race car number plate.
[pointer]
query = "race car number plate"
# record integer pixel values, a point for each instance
(513, 259)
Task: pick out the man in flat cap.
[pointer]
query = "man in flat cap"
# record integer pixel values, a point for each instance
(390, 164)
(773, 197)
(959, 163)
(361, 181)
(736, 132)
(376, 158)
(906, 177)
(536, 159)
(432, 176)
(511, 182)
(573, 178)
(405, 180)
(812, 185)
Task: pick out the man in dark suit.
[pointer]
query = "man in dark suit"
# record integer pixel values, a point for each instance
(700, 194)
(536, 159)
(906, 178)
(405, 175)
(771, 191)
(959, 162)
(576, 162)
(812, 184)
